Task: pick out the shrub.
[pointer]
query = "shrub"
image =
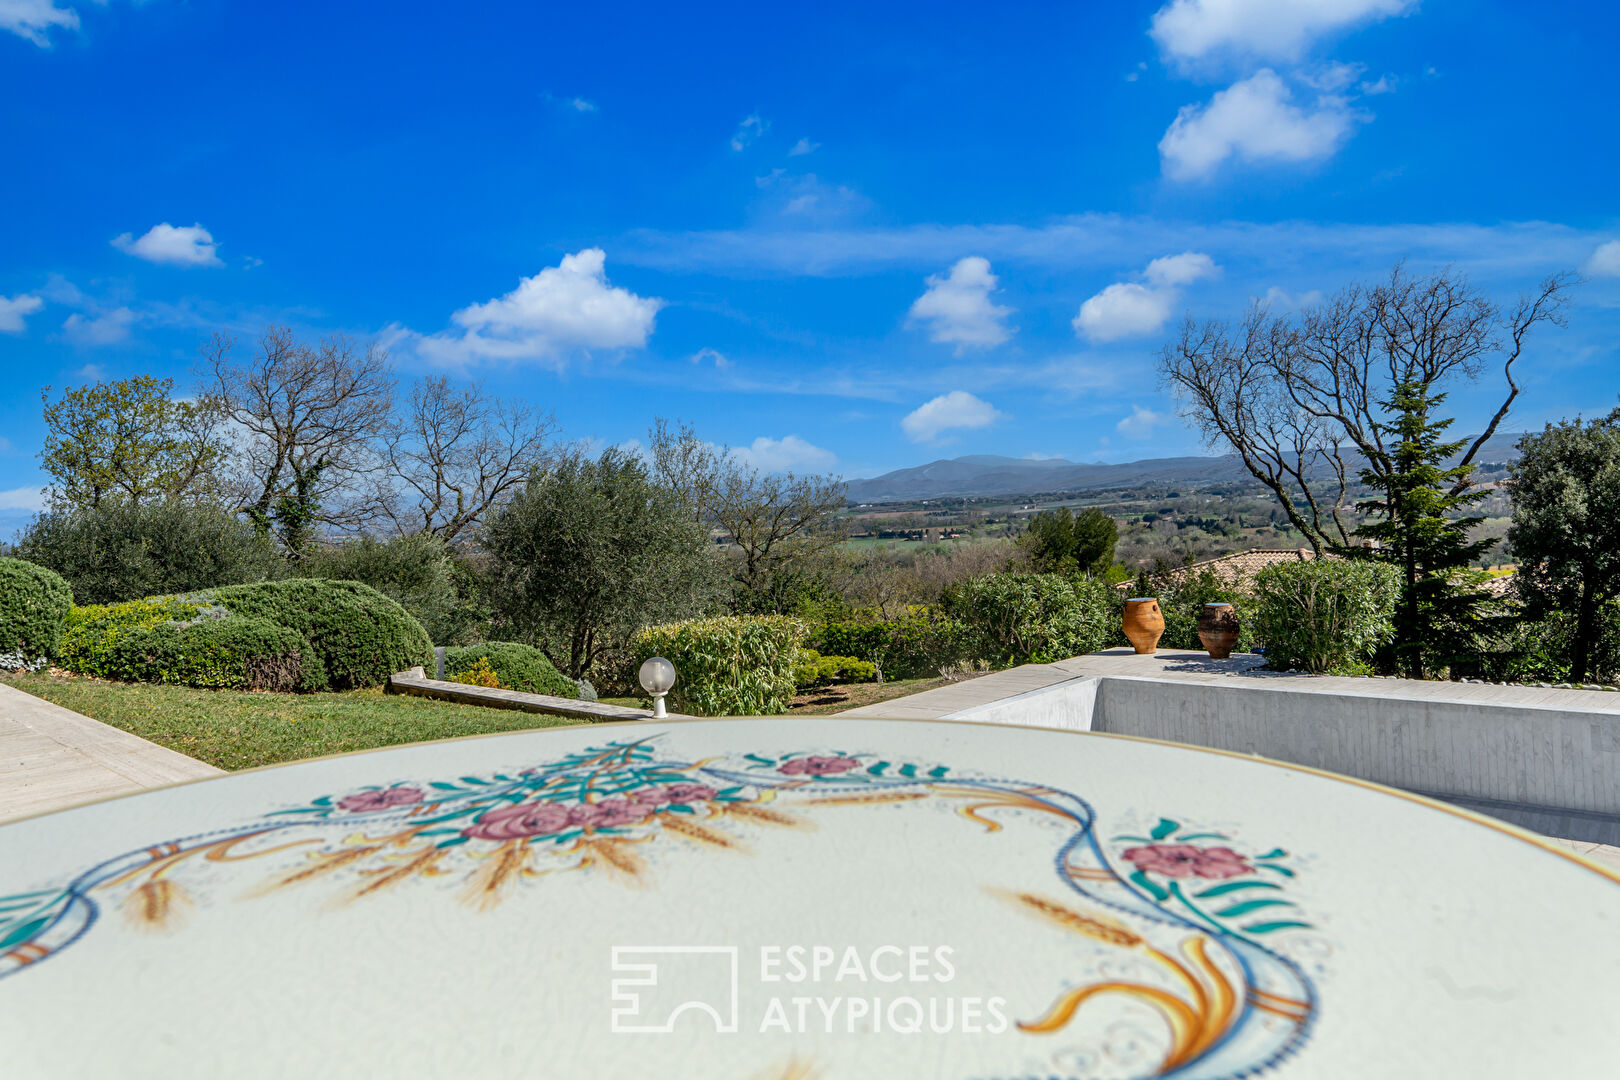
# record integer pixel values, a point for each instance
(915, 644)
(360, 635)
(34, 603)
(90, 642)
(124, 551)
(232, 653)
(419, 572)
(813, 670)
(1526, 649)
(1014, 618)
(735, 665)
(515, 667)
(1325, 615)
(480, 674)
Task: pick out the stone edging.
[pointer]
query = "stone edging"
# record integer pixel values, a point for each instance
(415, 681)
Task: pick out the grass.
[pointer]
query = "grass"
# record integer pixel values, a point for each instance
(233, 730)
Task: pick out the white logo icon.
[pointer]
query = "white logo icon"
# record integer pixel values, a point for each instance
(654, 984)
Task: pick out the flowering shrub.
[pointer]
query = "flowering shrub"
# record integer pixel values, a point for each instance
(812, 670)
(34, 603)
(509, 665)
(736, 665)
(480, 674)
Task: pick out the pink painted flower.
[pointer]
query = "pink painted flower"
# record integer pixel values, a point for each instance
(818, 766)
(519, 821)
(1187, 860)
(365, 802)
(609, 813)
(688, 793)
(652, 796)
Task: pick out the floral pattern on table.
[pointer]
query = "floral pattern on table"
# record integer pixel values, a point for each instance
(1191, 909)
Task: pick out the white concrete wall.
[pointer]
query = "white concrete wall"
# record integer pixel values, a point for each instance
(1529, 765)
(1068, 705)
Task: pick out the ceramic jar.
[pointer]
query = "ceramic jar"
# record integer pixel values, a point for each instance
(1144, 623)
(1218, 629)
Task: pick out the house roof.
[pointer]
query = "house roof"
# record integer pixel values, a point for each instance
(1240, 567)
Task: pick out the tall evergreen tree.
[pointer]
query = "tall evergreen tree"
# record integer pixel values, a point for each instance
(1421, 527)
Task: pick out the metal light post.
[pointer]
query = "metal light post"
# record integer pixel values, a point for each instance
(657, 676)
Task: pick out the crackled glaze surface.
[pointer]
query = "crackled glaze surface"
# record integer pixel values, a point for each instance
(796, 898)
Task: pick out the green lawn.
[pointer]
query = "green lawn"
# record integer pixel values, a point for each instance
(234, 730)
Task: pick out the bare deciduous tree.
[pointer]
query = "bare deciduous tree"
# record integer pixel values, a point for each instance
(310, 418)
(458, 454)
(1303, 401)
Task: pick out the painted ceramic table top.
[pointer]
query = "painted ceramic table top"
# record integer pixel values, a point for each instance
(797, 898)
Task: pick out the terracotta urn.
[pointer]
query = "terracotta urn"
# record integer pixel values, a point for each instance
(1218, 629)
(1144, 623)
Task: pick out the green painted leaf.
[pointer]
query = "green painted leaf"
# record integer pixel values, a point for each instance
(1234, 886)
(1274, 853)
(1268, 927)
(453, 841)
(938, 771)
(1202, 836)
(908, 771)
(442, 786)
(25, 931)
(762, 761)
(1283, 870)
(1152, 888)
(1251, 905)
(1134, 839)
(1164, 828)
(877, 770)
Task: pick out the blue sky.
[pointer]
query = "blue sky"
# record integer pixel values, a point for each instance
(847, 237)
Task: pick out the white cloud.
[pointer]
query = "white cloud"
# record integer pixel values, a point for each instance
(108, 328)
(185, 245)
(1183, 269)
(1268, 29)
(34, 19)
(563, 308)
(579, 104)
(1130, 309)
(1253, 121)
(1605, 261)
(712, 356)
(1385, 84)
(14, 309)
(957, 310)
(803, 147)
(91, 373)
(1280, 299)
(948, 412)
(808, 197)
(786, 454)
(23, 498)
(750, 129)
(1141, 422)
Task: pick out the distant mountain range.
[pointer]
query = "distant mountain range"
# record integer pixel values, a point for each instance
(989, 475)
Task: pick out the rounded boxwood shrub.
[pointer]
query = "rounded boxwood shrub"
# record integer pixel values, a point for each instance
(360, 636)
(93, 633)
(233, 653)
(34, 603)
(735, 665)
(517, 666)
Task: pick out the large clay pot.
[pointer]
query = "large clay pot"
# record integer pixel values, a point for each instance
(1218, 629)
(1144, 623)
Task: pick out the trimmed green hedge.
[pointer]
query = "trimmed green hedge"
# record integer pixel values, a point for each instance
(90, 643)
(518, 666)
(1015, 618)
(813, 670)
(1325, 615)
(233, 653)
(360, 636)
(915, 644)
(735, 665)
(34, 604)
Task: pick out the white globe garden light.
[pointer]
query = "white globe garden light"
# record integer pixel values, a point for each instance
(657, 675)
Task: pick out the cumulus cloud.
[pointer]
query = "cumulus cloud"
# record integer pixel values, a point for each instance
(1604, 262)
(957, 410)
(1190, 30)
(108, 328)
(186, 245)
(1141, 422)
(803, 147)
(561, 309)
(14, 309)
(1254, 121)
(23, 498)
(787, 454)
(956, 307)
(751, 128)
(35, 19)
(1132, 309)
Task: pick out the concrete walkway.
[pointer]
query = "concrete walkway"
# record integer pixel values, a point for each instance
(51, 758)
